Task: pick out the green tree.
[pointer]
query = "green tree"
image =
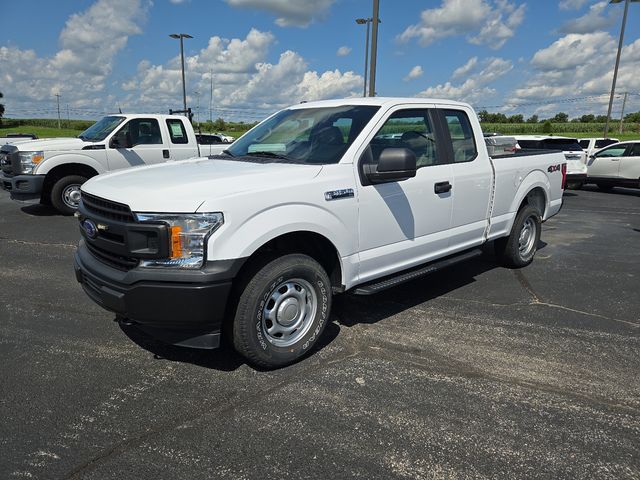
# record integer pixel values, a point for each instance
(483, 115)
(532, 119)
(588, 118)
(601, 118)
(219, 124)
(516, 119)
(632, 117)
(547, 127)
(560, 118)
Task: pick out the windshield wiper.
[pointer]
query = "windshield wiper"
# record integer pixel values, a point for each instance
(228, 153)
(269, 154)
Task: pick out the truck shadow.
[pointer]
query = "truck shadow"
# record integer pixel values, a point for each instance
(348, 310)
(351, 310)
(224, 358)
(40, 210)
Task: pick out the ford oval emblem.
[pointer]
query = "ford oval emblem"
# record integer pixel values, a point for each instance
(89, 228)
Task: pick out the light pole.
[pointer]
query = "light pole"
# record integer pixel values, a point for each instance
(615, 70)
(374, 48)
(367, 21)
(184, 88)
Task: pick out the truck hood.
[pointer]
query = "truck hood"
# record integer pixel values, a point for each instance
(51, 144)
(183, 186)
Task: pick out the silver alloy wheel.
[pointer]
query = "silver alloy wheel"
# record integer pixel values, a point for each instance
(71, 195)
(289, 311)
(527, 238)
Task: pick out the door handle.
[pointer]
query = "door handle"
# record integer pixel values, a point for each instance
(615, 159)
(442, 187)
(165, 153)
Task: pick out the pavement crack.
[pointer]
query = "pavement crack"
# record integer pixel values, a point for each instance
(37, 244)
(231, 404)
(522, 280)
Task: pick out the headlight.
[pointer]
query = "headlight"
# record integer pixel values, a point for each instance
(29, 160)
(189, 234)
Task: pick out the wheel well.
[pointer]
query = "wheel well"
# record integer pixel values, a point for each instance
(60, 171)
(537, 199)
(312, 244)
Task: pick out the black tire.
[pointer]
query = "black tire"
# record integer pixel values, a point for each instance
(574, 185)
(255, 335)
(509, 250)
(605, 187)
(64, 192)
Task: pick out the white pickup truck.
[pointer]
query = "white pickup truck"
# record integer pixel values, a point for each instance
(51, 170)
(344, 195)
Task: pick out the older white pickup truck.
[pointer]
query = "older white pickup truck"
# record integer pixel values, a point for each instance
(51, 170)
(344, 195)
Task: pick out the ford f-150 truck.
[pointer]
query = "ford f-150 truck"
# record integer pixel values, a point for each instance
(320, 198)
(51, 170)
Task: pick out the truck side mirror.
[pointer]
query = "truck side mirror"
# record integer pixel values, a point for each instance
(121, 139)
(394, 165)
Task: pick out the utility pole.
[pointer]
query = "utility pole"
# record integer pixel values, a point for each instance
(615, 70)
(624, 104)
(374, 48)
(58, 99)
(68, 119)
(211, 95)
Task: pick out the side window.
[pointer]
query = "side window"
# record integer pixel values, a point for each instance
(143, 131)
(462, 140)
(617, 151)
(177, 132)
(635, 150)
(411, 129)
(585, 144)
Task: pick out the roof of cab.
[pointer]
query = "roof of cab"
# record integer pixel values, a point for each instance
(378, 102)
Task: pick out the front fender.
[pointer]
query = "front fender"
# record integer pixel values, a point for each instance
(241, 238)
(68, 158)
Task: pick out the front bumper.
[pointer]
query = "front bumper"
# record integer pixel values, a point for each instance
(23, 188)
(183, 308)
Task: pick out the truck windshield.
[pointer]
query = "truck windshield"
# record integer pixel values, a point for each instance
(100, 130)
(304, 135)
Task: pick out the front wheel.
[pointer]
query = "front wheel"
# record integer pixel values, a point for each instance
(518, 249)
(282, 311)
(65, 194)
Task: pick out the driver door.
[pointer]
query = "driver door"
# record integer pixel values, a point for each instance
(404, 223)
(147, 145)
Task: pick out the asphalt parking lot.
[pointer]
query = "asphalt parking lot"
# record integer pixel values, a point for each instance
(475, 372)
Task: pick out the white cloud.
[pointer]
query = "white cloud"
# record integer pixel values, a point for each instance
(476, 87)
(465, 69)
(599, 17)
(298, 13)
(416, 72)
(242, 78)
(343, 51)
(79, 70)
(572, 4)
(493, 21)
(178, 2)
(580, 65)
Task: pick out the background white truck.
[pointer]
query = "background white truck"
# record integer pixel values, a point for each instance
(344, 195)
(51, 170)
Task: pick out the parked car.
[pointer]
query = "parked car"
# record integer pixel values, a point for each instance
(315, 200)
(617, 165)
(573, 153)
(590, 145)
(51, 170)
(212, 138)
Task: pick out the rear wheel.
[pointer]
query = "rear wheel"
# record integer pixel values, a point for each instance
(65, 194)
(282, 311)
(518, 249)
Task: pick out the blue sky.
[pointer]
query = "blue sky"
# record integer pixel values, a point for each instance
(515, 56)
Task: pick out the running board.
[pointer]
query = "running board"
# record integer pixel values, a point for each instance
(402, 277)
